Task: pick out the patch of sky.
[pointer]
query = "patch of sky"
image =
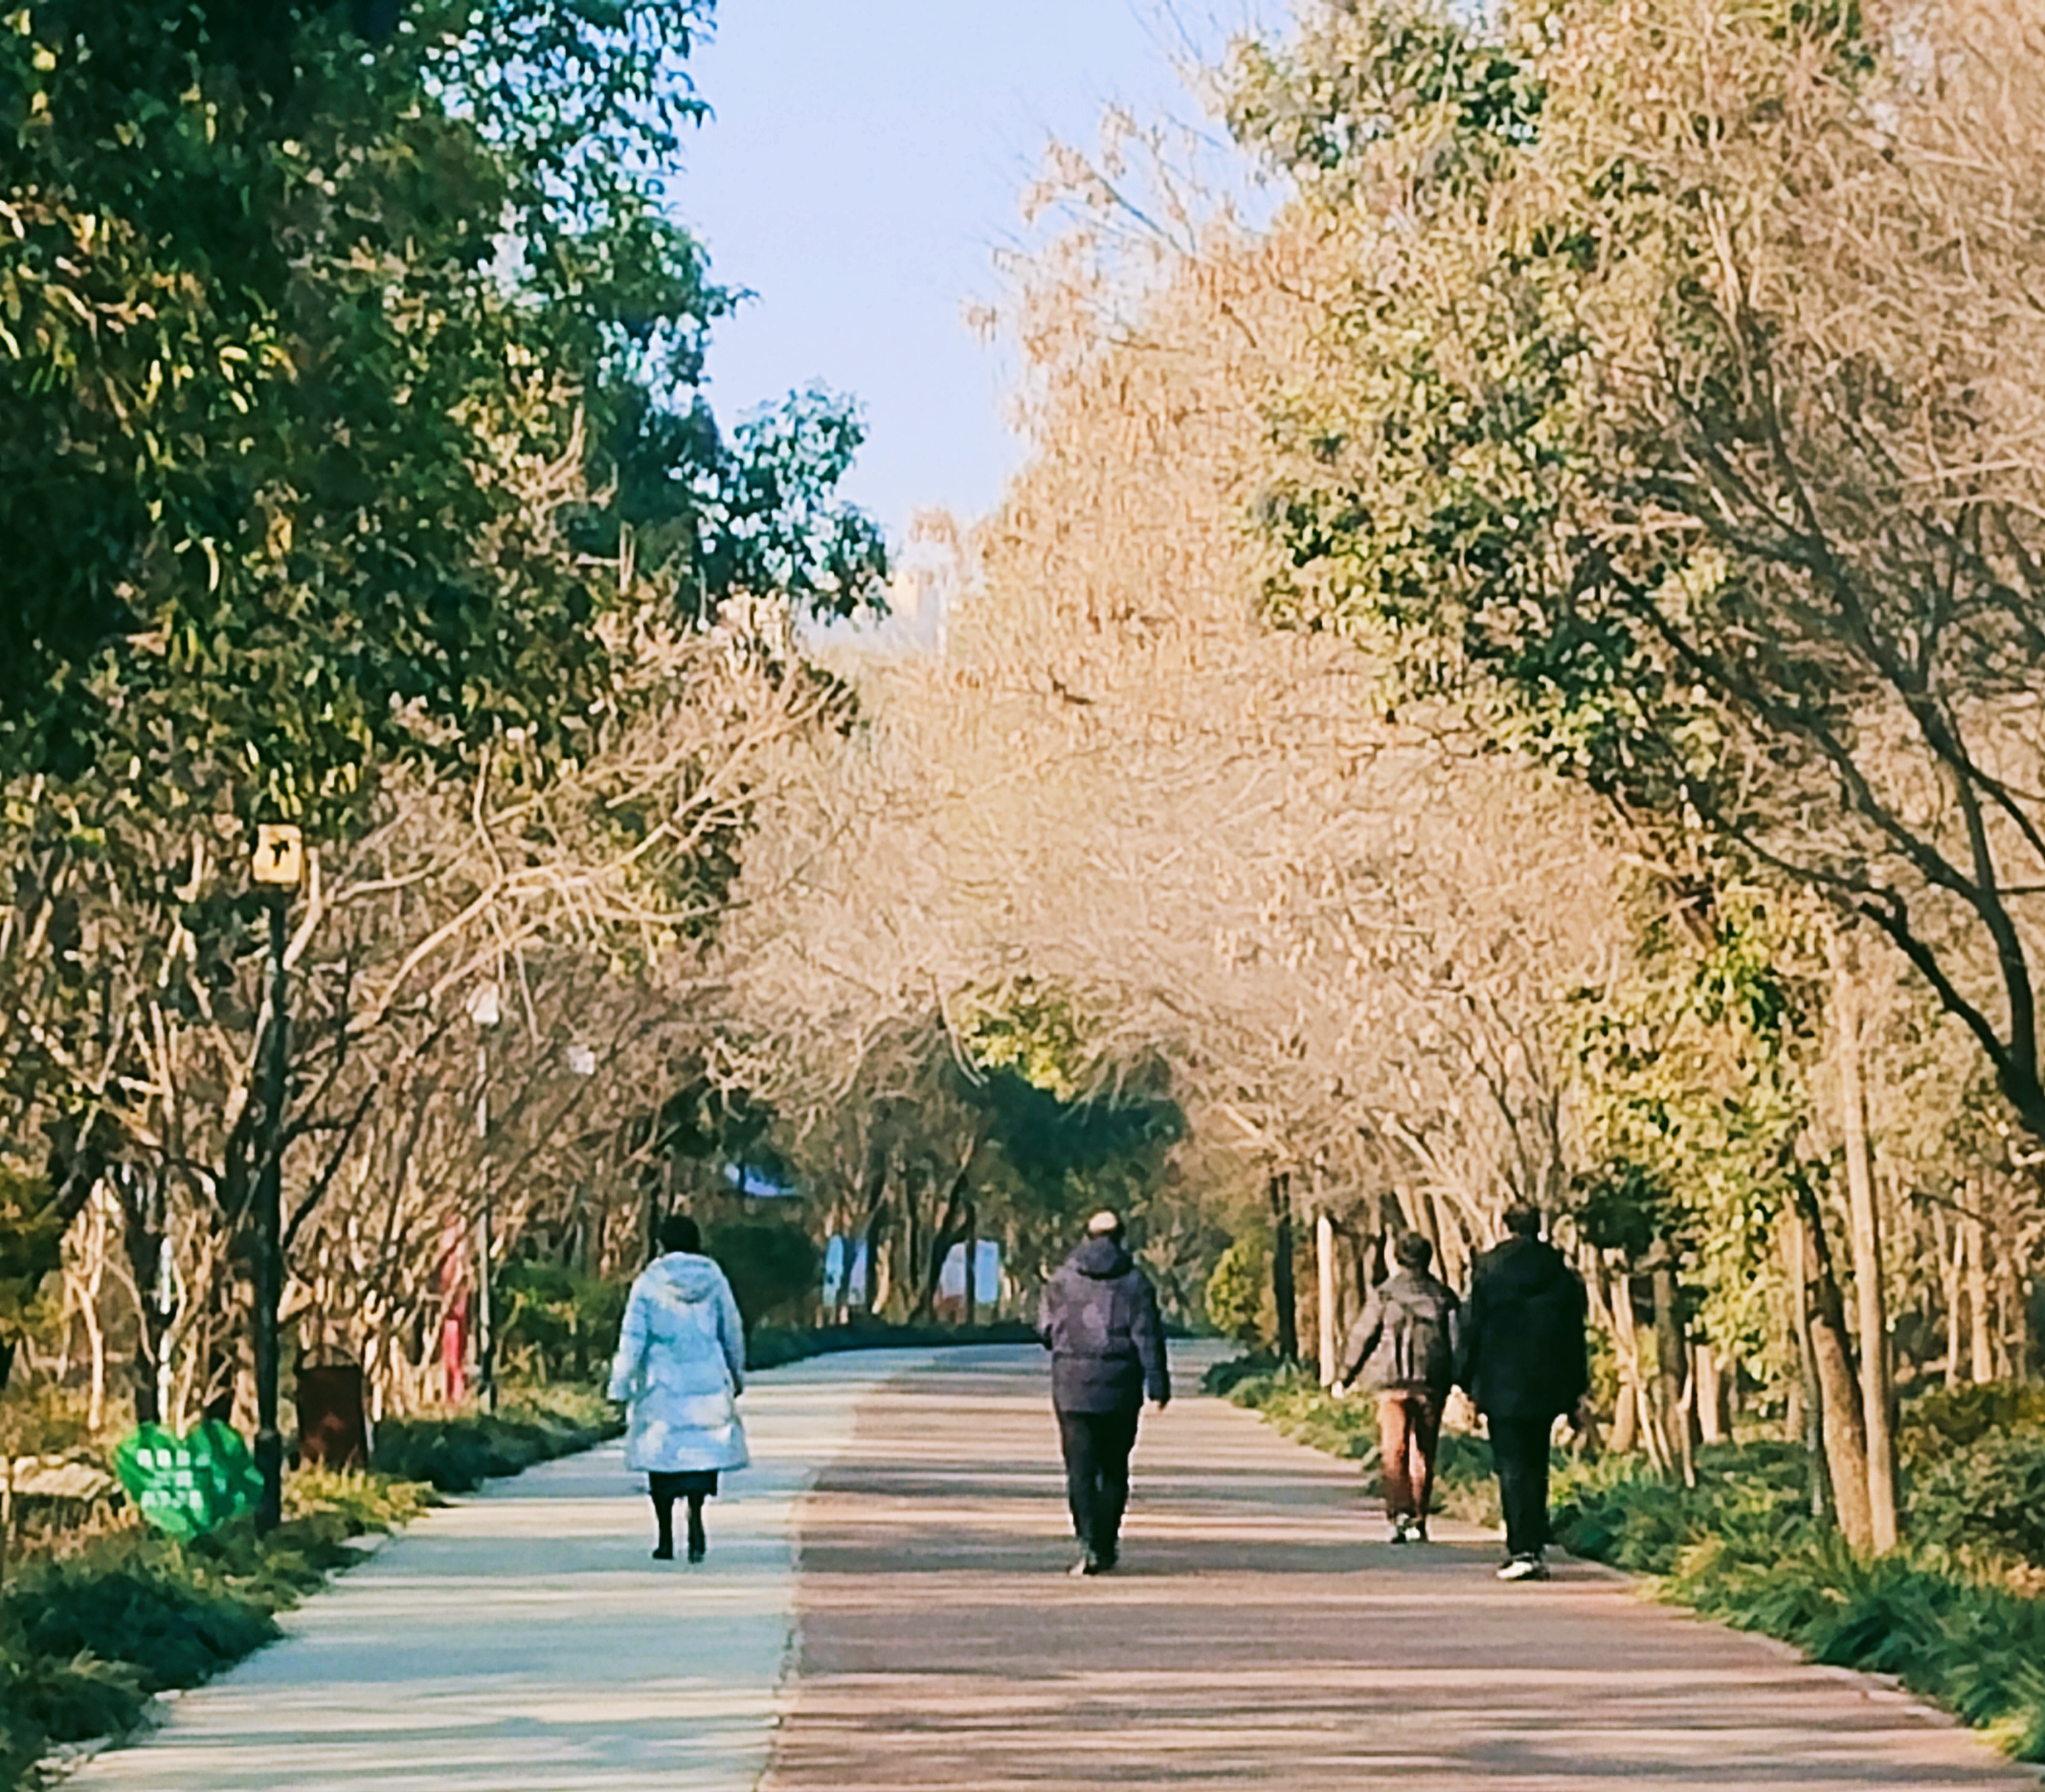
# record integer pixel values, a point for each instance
(863, 168)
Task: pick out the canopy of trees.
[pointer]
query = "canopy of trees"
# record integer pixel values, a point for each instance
(1513, 677)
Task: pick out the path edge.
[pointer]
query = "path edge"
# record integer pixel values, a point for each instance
(787, 1676)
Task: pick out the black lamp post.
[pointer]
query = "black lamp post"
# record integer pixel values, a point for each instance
(276, 866)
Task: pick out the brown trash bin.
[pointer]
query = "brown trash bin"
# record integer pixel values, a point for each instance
(333, 1428)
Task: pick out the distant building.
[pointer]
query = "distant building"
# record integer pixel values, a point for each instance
(928, 577)
(756, 1184)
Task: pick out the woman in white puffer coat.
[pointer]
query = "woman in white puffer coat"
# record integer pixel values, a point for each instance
(682, 1365)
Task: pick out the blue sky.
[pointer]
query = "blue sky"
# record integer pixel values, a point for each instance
(865, 165)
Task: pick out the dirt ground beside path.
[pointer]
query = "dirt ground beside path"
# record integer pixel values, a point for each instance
(1258, 1635)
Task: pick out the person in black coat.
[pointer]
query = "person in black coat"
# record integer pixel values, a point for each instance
(1099, 1320)
(1525, 1364)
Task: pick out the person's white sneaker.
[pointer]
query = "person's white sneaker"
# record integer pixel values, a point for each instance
(1524, 1568)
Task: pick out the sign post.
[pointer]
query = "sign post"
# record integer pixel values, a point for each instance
(485, 1010)
(276, 865)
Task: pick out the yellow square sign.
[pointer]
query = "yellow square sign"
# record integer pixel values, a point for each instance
(279, 855)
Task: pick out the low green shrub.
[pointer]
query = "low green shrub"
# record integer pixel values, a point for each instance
(176, 1626)
(363, 1502)
(1742, 1547)
(1616, 1509)
(1466, 1482)
(1232, 1372)
(48, 1700)
(1976, 1648)
(558, 1324)
(769, 1347)
(1938, 1423)
(455, 1452)
(1297, 1405)
(1301, 1408)
(770, 1264)
(1987, 1499)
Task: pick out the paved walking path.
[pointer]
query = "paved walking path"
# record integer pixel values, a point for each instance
(523, 1642)
(1258, 1635)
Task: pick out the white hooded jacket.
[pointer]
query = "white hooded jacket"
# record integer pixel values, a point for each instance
(681, 1363)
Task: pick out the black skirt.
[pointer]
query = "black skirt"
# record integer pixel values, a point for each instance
(683, 1482)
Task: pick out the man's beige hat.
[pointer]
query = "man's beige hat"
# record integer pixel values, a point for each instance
(1103, 1222)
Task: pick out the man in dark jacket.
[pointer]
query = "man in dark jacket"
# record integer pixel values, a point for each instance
(1524, 1363)
(1402, 1349)
(1099, 1320)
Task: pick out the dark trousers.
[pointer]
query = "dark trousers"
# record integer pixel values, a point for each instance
(1096, 1448)
(694, 1486)
(1519, 1452)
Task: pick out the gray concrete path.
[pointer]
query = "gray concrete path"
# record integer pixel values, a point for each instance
(523, 1641)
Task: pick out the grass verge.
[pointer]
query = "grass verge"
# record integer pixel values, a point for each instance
(457, 1451)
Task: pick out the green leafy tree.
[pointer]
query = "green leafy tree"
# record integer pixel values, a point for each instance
(1238, 1293)
(352, 440)
(316, 362)
(31, 1236)
(1075, 1132)
(773, 1266)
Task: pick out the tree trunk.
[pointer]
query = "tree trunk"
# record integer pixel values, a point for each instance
(1806, 1414)
(1672, 1363)
(1952, 1277)
(1625, 1421)
(880, 1270)
(1846, 1443)
(1636, 1417)
(1871, 1302)
(1839, 1403)
(2014, 1334)
(908, 1240)
(1324, 1266)
(1281, 1196)
(1606, 1297)
(971, 1268)
(863, 1249)
(950, 1224)
(141, 1235)
(1981, 1340)
(1710, 1382)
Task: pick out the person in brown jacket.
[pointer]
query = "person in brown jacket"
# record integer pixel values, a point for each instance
(1403, 1348)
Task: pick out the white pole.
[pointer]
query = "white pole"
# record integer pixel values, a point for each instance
(1324, 1263)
